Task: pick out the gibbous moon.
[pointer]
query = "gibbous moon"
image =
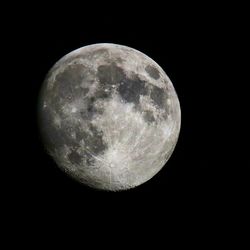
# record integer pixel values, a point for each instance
(109, 116)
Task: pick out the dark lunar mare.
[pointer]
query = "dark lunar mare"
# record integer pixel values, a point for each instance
(110, 74)
(66, 88)
(130, 88)
(159, 97)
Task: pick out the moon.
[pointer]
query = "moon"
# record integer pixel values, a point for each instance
(109, 116)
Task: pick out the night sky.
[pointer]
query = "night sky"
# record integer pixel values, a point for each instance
(193, 187)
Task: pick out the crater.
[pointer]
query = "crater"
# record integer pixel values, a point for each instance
(153, 72)
(74, 157)
(100, 52)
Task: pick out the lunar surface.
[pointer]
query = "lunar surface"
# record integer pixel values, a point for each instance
(109, 116)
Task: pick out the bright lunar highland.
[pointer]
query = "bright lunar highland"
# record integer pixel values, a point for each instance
(109, 116)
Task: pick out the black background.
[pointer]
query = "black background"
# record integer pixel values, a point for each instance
(192, 192)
